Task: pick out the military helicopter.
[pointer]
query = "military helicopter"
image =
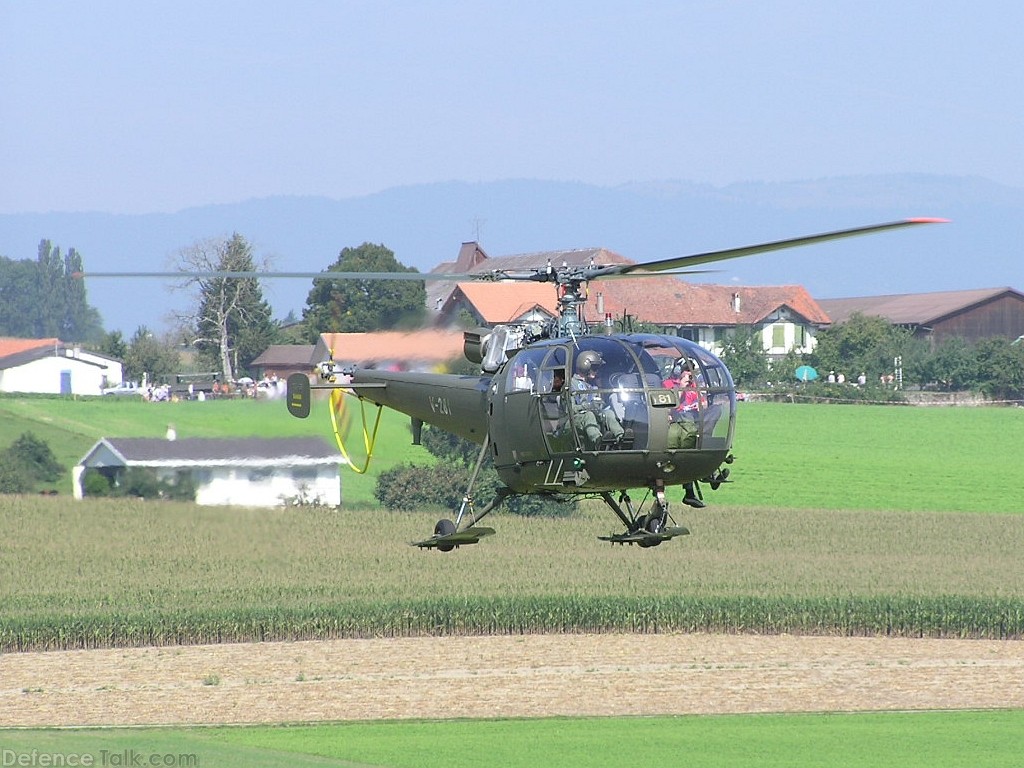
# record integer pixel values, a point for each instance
(563, 411)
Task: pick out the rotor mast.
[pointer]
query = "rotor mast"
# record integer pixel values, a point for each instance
(571, 288)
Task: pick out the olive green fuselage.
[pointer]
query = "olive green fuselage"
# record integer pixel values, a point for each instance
(549, 435)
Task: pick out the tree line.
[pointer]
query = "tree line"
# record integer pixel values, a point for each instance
(42, 298)
(873, 347)
(227, 324)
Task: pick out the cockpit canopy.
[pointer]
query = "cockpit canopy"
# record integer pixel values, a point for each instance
(633, 361)
(636, 392)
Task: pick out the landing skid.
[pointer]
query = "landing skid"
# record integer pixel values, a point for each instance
(645, 530)
(447, 534)
(646, 538)
(450, 541)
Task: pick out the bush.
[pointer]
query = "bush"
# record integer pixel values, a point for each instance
(444, 484)
(13, 478)
(140, 483)
(26, 463)
(37, 456)
(408, 486)
(95, 483)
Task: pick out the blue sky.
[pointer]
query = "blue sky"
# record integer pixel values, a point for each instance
(132, 107)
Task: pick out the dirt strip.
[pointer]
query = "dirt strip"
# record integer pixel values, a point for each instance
(520, 676)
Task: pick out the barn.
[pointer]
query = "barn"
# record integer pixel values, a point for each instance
(971, 315)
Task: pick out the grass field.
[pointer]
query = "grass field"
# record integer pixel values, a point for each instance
(853, 457)
(72, 427)
(864, 740)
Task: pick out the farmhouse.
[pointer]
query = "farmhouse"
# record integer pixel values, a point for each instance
(249, 471)
(970, 315)
(786, 317)
(49, 366)
(282, 360)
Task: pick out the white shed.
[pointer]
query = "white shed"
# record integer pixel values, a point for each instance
(245, 471)
(49, 366)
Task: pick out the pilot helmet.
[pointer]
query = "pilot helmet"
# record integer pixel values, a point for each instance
(588, 361)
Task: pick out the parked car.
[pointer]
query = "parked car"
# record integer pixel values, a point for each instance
(124, 388)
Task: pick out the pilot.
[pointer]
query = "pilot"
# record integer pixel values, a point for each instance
(591, 417)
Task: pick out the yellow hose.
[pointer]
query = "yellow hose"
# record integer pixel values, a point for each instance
(369, 439)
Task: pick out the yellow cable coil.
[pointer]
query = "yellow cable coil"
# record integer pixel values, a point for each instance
(369, 439)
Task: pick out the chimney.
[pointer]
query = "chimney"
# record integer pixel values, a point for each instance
(736, 303)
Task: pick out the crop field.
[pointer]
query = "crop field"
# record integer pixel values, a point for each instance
(130, 572)
(842, 522)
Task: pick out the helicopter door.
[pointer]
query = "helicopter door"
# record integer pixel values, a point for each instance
(517, 415)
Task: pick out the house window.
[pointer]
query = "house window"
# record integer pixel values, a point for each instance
(778, 336)
(260, 473)
(304, 473)
(202, 476)
(801, 336)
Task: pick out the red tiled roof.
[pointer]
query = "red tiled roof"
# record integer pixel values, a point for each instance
(11, 346)
(505, 302)
(668, 301)
(663, 300)
(431, 345)
(15, 352)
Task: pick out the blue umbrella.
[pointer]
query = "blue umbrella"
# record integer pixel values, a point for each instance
(806, 373)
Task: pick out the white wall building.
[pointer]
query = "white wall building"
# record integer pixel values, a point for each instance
(249, 472)
(49, 366)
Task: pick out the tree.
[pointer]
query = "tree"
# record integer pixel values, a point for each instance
(1000, 365)
(952, 367)
(232, 323)
(114, 345)
(349, 306)
(44, 298)
(744, 353)
(19, 302)
(863, 343)
(148, 356)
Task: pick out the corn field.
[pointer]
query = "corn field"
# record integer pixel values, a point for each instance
(940, 617)
(133, 573)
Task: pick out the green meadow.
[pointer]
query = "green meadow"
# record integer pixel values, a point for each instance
(865, 740)
(853, 457)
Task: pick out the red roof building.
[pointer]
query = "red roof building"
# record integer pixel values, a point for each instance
(787, 316)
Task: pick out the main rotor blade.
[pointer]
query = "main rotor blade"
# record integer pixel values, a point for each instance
(261, 275)
(735, 253)
(681, 263)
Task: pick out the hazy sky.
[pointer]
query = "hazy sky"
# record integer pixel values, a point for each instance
(155, 106)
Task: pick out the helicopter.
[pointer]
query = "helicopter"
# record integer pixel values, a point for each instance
(562, 411)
